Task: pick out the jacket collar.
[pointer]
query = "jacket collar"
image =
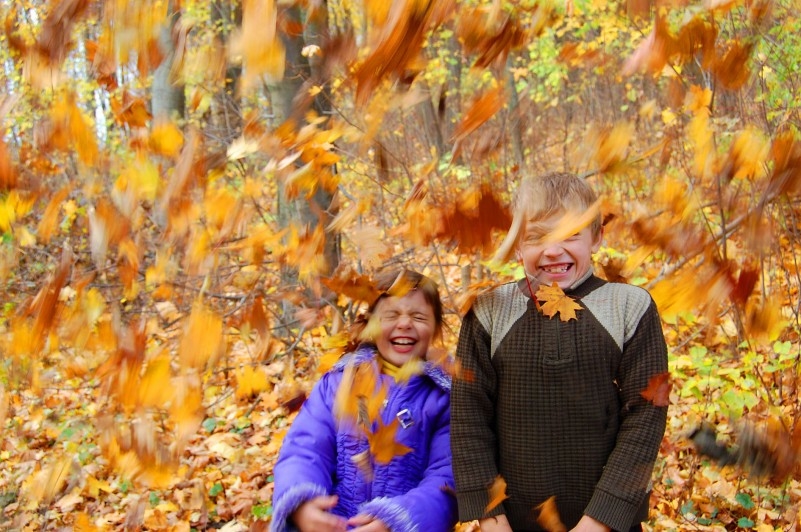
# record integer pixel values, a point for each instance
(366, 354)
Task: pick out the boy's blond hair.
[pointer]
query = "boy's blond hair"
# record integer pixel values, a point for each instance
(542, 197)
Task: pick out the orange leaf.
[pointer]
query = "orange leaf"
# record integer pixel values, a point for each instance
(471, 222)
(557, 302)
(549, 516)
(658, 390)
(202, 339)
(482, 109)
(352, 285)
(497, 493)
(383, 445)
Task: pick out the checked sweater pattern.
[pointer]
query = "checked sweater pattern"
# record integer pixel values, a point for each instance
(555, 407)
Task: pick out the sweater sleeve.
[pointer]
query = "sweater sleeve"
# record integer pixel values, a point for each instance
(430, 506)
(307, 461)
(625, 481)
(473, 437)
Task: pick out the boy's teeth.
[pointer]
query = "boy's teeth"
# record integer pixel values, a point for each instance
(556, 269)
(403, 342)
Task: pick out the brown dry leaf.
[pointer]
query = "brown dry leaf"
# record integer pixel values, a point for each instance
(8, 173)
(53, 42)
(472, 222)
(652, 53)
(49, 222)
(399, 44)
(557, 302)
(482, 109)
(658, 390)
(548, 517)
(383, 445)
(732, 69)
(497, 493)
(355, 286)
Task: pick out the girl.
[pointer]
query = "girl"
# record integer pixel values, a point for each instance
(369, 450)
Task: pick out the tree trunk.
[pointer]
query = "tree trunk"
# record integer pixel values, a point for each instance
(167, 95)
(289, 103)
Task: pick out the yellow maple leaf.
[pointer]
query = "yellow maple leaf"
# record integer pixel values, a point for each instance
(557, 302)
(497, 493)
(383, 445)
(250, 381)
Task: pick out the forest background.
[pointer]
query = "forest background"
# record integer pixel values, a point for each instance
(194, 196)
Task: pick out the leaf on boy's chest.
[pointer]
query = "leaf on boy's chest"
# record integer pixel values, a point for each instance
(556, 302)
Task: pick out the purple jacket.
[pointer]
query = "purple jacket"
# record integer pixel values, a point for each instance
(412, 493)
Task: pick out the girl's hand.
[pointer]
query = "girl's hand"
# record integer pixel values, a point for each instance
(314, 515)
(588, 524)
(367, 523)
(498, 523)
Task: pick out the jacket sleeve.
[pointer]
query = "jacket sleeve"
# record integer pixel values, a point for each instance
(430, 506)
(473, 438)
(625, 481)
(307, 461)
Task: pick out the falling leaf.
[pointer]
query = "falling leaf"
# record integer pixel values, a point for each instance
(497, 493)
(410, 369)
(548, 517)
(557, 302)
(250, 381)
(658, 390)
(383, 445)
(258, 44)
(482, 109)
(353, 285)
(202, 338)
(470, 224)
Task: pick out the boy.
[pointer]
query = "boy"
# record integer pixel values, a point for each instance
(554, 407)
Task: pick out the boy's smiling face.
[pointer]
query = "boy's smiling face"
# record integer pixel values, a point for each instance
(562, 262)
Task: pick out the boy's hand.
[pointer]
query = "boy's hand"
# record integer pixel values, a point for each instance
(499, 523)
(588, 524)
(314, 515)
(367, 523)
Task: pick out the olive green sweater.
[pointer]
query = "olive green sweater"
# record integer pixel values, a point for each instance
(555, 408)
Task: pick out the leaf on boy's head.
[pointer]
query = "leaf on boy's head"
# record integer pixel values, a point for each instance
(572, 222)
(383, 445)
(497, 493)
(557, 302)
(658, 390)
(548, 517)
